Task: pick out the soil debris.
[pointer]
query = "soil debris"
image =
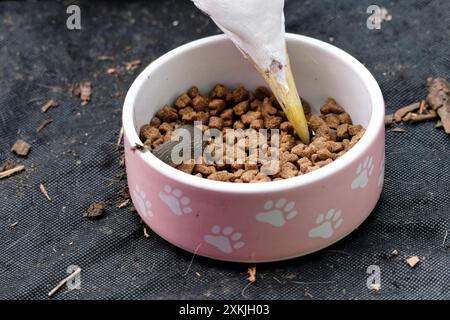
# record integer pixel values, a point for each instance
(439, 99)
(44, 191)
(21, 148)
(10, 172)
(45, 123)
(48, 105)
(132, 65)
(251, 272)
(413, 261)
(95, 210)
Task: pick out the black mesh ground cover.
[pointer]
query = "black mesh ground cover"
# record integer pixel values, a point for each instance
(76, 158)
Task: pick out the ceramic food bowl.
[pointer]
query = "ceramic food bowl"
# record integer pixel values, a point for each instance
(256, 222)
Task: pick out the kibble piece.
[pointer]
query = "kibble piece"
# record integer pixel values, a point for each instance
(346, 144)
(322, 164)
(199, 103)
(323, 131)
(342, 131)
(216, 106)
(304, 163)
(299, 149)
(250, 116)
(155, 122)
(193, 92)
(204, 169)
(331, 106)
(267, 108)
(249, 175)
(272, 122)
(287, 156)
(219, 91)
(287, 142)
(187, 115)
(256, 105)
(238, 125)
(240, 94)
(21, 148)
(335, 147)
(257, 124)
(287, 127)
(262, 92)
(201, 116)
(288, 170)
(312, 168)
(227, 114)
(353, 130)
(241, 108)
(238, 174)
(149, 133)
(166, 127)
(261, 178)
(187, 167)
(323, 154)
(345, 118)
(332, 121)
(315, 122)
(167, 114)
(216, 122)
(223, 176)
(183, 101)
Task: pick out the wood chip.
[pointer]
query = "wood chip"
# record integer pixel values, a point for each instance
(95, 210)
(251, 272)
(85, 92)
(423, 106)
(48, 105)
(21, 148)
(120, 138)
(44, 192)
(132, 65)
(400, 130)
(10, 172)
(400, 113)
(123, 204)
(388, 119)
(413, 261)
(64, 281)
(439, 99)
(43, 125)
(416, 118)
(146, 233)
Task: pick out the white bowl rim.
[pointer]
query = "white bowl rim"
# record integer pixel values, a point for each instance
(373, 130)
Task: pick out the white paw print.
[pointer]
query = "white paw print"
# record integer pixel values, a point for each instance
(143, 204)
(364, 171)
(226, 241)
(277, 213)
(382, 170)
(175, 200)
(327, 224)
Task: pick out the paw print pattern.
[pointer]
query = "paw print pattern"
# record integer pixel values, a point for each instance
(382, 170)
(364, 171)
(142, 203)
(224, 239)
(327, 224)
(277, 213)
(174, 199)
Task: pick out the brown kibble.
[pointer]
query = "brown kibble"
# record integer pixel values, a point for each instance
(261, 178)
(257, 124)
(167, 114)
(332, 121)
(241, 108)
(187, 115)
(304, 163)
(204, 169)
(315, 122)
(288, 170)
(187, 167)
(183, 101)
(240, 94)
(149, 133)
(345, 118)
(331, 106)
(216, 122)
(312, 168)
(199, 103)
(335, 147)
(271, 122)
(238, 125)
(323, 154)
(21, 148)
(354, 129)
(227, 114)
(287, 127)
(219, 91)
(342, 131)
(299, 149)
(224, 176)
(155, 122)
(262, 92)
(95, 210)
(193, 92)
(267, 108)
(256, 105)
(165, 127)
(249, 175)
(324, 163)
(287, 156)
(201, 116)
(287, 142)
(216, 106)
(323, 131)
(250, 116)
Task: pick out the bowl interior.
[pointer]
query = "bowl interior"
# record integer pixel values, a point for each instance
(321, 71)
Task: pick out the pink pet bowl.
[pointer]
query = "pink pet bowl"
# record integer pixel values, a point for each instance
(256, 222)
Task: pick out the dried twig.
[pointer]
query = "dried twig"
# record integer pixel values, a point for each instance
(423, 106)
(64, 281)
(123, 204)
(416, 118)
(119, 139)
(44, 191)
(10, 172)
(43, 125)
(400, 113)
(49, 104)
